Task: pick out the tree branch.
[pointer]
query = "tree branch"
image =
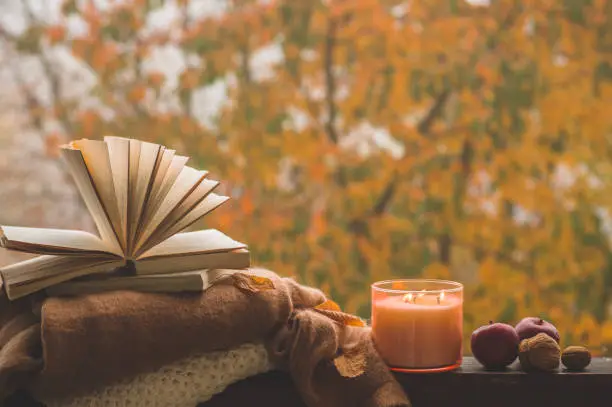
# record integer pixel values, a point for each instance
(385, 197)
(330, 94)
(330, 83)
(424, 128)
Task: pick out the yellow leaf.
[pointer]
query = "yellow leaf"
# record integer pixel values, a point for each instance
(606, 332)
(52, 145)
(55, 34)
(328, 305)
(250, 283)
(436, 270)
(137, 93)
(156, 79)
(351, 363)
(261, 283)
(342, 317)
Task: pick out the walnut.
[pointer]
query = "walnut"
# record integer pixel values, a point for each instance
(541, 353)
(576, 357)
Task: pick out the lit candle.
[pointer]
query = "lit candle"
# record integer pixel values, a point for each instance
(418, 324)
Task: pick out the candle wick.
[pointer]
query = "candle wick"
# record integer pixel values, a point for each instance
(438, 300)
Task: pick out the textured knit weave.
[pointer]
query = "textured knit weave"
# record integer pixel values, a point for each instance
(181, 384)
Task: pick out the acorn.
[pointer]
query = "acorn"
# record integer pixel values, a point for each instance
(539, 353)
(576, 358)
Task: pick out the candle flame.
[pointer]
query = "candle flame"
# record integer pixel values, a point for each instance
(408, 297)
(441, 297)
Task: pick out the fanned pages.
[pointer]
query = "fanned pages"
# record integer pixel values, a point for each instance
(96, 156)
(83, 180)
(119, 157)
(140, 196)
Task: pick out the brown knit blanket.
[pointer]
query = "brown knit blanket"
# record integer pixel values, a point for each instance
(64, 347)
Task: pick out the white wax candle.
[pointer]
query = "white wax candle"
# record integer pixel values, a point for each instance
(420, 332)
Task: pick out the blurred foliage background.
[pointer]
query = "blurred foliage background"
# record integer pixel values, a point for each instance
(361, 140)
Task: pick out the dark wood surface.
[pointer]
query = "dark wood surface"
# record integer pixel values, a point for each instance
(469, 386)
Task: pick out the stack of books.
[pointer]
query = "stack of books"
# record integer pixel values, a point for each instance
(141, 196)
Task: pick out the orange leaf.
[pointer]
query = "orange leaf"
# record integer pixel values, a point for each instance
(190, 78)
(56, 33)
(352, 320)
(328, 305)
(261, 283)
(246, 204)
(156, 79)
(397, 285)
(103, 54)
(249, 283)
(318, 225)
(88, 123)
(351, 363)
(339, 316)
(137, 93)
(52, 145)
(186, 125)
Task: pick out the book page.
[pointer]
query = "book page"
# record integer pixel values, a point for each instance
(188, 204)
(95, 154)
(149, 158)
(157, 183)
(208, 204)
(53, 241)
(119, 157)
(174, 170)
(185, 184)
(235, 259)
(133, 181)
(198, 195)
(76, 165)
(202, 241)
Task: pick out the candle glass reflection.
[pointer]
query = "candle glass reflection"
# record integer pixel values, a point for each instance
(417, 325)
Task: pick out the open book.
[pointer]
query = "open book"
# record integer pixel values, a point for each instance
(140, 195)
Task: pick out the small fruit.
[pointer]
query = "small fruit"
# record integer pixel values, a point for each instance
(531, 326)
(576, 358)
(540, 352)
(495, 345)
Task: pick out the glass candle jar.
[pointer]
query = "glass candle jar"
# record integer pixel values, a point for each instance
(417, 325)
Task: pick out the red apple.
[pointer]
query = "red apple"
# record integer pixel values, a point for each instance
(495, 345)
(531, 326)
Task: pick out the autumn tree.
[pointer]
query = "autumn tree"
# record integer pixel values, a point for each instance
(444, 139)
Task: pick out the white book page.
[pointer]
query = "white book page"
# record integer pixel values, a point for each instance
(119, 156)
(202, 241)
(186, 182)
(95, 154)
(23, 238)
(208, 204)
(78, 170)
(149, 154)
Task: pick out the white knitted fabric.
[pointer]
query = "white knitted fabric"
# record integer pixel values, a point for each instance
(182, 384)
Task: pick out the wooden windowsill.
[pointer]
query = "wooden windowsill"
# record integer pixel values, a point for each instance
(471, 385)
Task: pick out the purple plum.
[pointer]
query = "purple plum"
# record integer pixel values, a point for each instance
(531, 326)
